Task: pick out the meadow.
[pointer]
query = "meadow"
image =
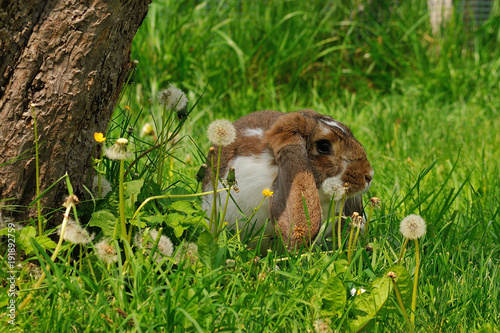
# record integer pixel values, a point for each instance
(426, 109)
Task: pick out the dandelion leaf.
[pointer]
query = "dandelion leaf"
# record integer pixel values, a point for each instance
(105, 220)
(405, 287)
(132, 189)
(29, 232)
(334, 298)
(207, 249)
(367, 305)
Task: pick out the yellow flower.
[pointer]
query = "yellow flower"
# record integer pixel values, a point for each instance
(126, 107)
(267, 193)
(99, 137)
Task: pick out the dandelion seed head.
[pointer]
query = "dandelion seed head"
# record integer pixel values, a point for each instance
(105, 186)
(375, 202)
(75, 234)
(138, 240)
(106, 252)
(323, 326)
(173, 98)
(221, 132)
(34, 271)
(71, 201)
(118, 151)
(230, 263)
(357, 220)
(187, 251)
(412, 227)
(333, 187)
(165, 245)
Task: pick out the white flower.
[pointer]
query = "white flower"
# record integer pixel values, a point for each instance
(358, 292)
(221, 132)
(412, 227)
(106, 251)
(75, 234)
(173, 98)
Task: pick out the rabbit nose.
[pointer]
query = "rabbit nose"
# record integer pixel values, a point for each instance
(369, 177)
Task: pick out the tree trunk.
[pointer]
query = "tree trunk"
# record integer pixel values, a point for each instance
(70, 58)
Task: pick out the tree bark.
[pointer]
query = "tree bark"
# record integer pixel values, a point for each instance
(69, 58)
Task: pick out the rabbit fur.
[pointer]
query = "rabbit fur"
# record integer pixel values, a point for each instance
(305, 158)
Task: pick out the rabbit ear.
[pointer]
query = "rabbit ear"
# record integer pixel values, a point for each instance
(295, 206)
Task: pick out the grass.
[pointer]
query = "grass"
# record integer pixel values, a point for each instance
(426, 109)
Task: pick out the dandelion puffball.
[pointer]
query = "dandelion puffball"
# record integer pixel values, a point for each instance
(412, 227)
(165, 245)
(76, 234)
(173, 98)
(118, 151)
(106, 251)
(221, 132)
(333, 186)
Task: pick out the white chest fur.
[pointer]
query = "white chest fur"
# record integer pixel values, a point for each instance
(254, 173)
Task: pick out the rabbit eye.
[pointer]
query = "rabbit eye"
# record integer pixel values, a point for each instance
(323, 146)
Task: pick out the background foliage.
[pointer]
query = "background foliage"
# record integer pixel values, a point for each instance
(425, 107)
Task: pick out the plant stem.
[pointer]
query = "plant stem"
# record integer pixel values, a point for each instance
(99, 175)
(224, 211)
(339, 224)
(215, 182)
(401, 305)
(56, 251)
(368, 221)
(356, 235)
(349, 252)
(415, 284)
(402, 251)
(122, 201)
(172, 196)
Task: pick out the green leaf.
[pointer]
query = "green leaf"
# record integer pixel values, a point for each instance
(155, 220)
(405, 286)
(105, 220)
(186, 207)
(207, 248)
(367, 305)
(45, 242)
(24, 238)
(333, 297)
(173, 219)
(132, 189)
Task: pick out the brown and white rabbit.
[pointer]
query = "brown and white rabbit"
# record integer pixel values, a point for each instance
(305, 158)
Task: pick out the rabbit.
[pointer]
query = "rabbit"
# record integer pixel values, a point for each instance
(305, 159)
